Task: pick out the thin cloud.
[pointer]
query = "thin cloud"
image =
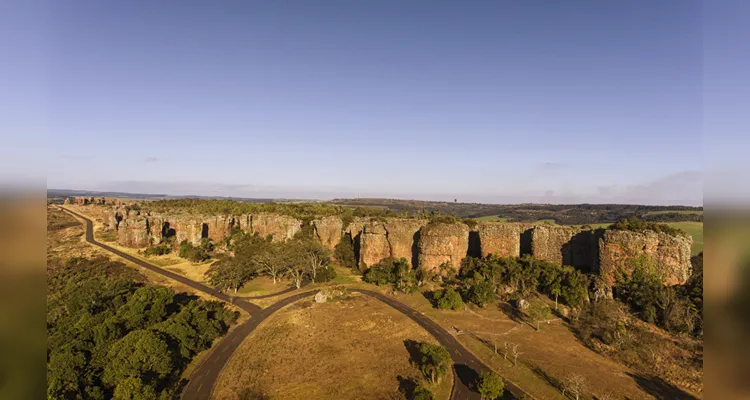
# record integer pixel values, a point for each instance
(151, 159)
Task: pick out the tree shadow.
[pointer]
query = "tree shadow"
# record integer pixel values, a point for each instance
(407, 386)
(512, 312)
(466, 375)
(659, 388)
(184, 298)
(551, 380)
(412, 346)
(430, 296)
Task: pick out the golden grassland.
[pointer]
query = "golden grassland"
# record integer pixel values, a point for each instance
(351, 348)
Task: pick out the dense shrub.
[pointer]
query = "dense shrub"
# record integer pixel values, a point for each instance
(198, 253)
(158, 250)
(344, 253)
(448, 299)
(396, 272)
(636, 225)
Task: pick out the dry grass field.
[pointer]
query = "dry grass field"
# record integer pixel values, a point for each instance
(349, 349)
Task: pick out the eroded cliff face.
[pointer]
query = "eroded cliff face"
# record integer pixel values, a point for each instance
(566, 246)
(218, 227)
(403, 236)
(328, 230)
(186, 227)
(499, 238)
(619, 250)
(280, 227)
(133, 232)
(440, 243)
(373, 244)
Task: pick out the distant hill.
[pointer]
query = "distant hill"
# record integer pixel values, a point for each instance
(578, 214)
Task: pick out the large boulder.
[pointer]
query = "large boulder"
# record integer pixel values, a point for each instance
(328, 230)
(620, 250)
(374, 245)
(443, 243)
(499, 238)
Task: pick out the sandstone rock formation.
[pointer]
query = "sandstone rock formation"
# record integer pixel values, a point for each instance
(373, 244)
(187, 228)
(499, 238)
(133, 232)
(565, 245)
(618, 250)
(403, 236)
(443, 242)
(280, 227)
(328, 230)
(218, 227)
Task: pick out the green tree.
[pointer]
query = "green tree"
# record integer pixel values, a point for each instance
(344, 253)
(142, 354)
(405, 276)
(229, 274)
(538, 312)
(434, 361)
(421, 393)
(481, 293)
(490, 386)
(132, 388)
(448, 299)
(313, 254)
(381, 273)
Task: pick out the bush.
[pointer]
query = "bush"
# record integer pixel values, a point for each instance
(481, 293)
(422, 393)
(448, 299)
(344, 253)
(325, 274)
(490, 386)
(195, 253)
(158, 250)
(380, 273)
(636, 225)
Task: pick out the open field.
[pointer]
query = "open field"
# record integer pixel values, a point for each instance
(691, 212)
(694, 229)
(352, 348)
(549, 355)
(492, 218)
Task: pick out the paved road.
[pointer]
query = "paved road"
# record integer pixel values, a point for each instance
(466, 366)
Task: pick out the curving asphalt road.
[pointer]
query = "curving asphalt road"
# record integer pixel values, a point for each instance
(466, 366)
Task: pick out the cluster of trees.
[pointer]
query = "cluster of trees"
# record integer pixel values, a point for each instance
(199, 253)
(158, 249)
(396, 272)
(678, 309)
(112, 337)
(299, 259)
(479, 279)
(636, 225)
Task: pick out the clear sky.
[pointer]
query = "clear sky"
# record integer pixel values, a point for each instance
(493, 101)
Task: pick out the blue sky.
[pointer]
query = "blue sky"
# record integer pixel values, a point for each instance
(497, 101)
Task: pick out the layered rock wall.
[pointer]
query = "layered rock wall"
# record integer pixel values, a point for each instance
(328, 230)
(499, 238)
(373, 244)
(134, 232)
(280, 227)
(403, 236)
(621, 250)
(443, 243)
(565, 245)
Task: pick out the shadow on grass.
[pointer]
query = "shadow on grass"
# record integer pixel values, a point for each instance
(412, 346)
(659, 388)
(407, 386)
(430, 296)
(551, 380)
(512, 312)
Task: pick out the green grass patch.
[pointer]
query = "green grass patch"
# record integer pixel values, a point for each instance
(690, 212)
(694, 229)
(492, 218)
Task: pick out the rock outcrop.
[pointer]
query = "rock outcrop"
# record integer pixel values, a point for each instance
(403, 236)
(218, 227)
(565, 245)
(133, 232)
(280, 227)
(187, 228)
(499, 238)
(373, 244)
(443, 243)
(328, 230)
(620, 250)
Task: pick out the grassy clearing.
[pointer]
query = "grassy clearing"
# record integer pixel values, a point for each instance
(492, 218)
(549, 355)
(353, 348)
(690, 212)
(694, 229)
